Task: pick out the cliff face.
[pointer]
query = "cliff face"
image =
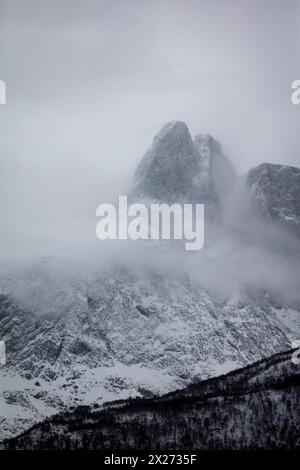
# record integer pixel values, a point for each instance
(179, 169)
(276, 189)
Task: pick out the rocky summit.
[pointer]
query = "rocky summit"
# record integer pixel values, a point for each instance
(277, 191)
(179, 169)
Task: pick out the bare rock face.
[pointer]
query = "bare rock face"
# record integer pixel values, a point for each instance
(277, 191)
(216, 174)
(180, 170)
(167, 170)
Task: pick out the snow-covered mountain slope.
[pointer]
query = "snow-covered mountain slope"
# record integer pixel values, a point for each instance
(82, 335)
(118, 334)
(256, 407)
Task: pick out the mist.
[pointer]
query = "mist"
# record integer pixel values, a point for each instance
(89, 85)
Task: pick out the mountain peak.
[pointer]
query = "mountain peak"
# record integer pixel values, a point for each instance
(168, 166)
(179, 169)
(207, 145)
(276, 190)
(174, 134)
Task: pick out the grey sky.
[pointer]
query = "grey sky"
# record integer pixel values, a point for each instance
(89, 83)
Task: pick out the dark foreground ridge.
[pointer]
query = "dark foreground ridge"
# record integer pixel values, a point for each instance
(256, 407)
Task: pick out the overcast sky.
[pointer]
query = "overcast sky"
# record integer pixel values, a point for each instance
(89, 83)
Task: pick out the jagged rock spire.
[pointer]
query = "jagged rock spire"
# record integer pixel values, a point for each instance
(178, 169)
